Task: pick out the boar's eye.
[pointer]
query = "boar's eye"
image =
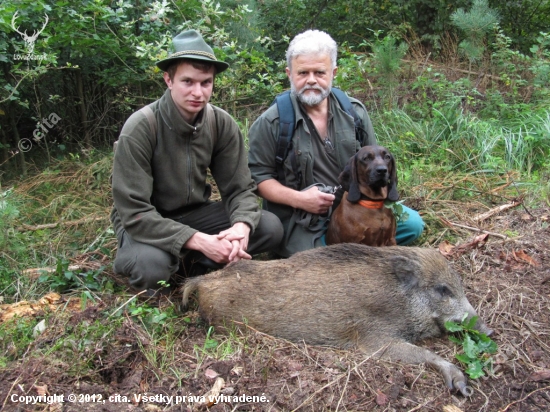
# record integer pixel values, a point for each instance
(444, 291)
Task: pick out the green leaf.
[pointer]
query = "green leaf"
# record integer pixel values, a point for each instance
(465, 359)
(470, 347)
(475, 370)
(456, 340)
(210, 343)
(471, 323)
(453, 326)
(486, 345)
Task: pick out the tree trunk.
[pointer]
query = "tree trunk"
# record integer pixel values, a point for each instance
(4, 144)
(83, 117)
(17, 140)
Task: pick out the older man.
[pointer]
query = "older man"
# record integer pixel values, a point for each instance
(162, 209)
(324, 138)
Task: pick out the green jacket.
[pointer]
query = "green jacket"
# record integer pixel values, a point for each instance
(156, 181)
(263, 136)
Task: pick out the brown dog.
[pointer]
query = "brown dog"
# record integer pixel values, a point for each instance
(368, 179)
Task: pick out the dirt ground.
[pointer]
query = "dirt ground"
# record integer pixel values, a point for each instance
(506, 280)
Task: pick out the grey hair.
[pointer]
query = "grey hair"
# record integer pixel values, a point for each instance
(312, 42)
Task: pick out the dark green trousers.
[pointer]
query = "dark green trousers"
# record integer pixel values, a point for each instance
(146, 265)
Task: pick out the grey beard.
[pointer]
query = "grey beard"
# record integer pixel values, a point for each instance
(310, 100)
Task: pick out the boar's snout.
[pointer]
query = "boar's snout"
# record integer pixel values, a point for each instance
(471, 312)
(482, 327)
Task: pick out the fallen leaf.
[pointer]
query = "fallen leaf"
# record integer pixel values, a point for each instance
(381, 399)
(212, 394)
(211, 373)
(480, 240)
(543, 375)
(446, 248)
(520, 255)
(41, 390)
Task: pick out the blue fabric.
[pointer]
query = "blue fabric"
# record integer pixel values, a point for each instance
(409, 230)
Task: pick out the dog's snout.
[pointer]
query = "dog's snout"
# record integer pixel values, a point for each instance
(381, 170)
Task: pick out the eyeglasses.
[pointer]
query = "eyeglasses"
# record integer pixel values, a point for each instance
(329, 147)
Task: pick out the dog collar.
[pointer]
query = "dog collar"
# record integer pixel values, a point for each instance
(372, 204)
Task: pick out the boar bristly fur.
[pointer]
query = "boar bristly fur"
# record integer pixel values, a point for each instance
(380, 300)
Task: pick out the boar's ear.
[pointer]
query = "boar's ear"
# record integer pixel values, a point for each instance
(392, 194)
(406, 270)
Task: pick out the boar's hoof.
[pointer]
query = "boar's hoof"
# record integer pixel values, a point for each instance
(464, 389)
(455, 379)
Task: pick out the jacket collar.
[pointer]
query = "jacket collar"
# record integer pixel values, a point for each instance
(173, 118)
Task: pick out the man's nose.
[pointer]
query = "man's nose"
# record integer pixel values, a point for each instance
(196, 89)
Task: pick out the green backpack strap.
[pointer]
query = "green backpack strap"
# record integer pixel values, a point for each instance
(345, 104)
(286, 130)
(150, 115)
(148, 112)
(211, 115)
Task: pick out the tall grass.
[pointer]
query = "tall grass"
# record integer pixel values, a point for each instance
(463, 142)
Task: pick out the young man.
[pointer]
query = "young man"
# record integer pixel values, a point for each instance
(162, 209)
(322, 143)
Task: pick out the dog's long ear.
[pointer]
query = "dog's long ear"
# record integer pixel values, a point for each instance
(354, 194)
(392, 192)
(345, 177)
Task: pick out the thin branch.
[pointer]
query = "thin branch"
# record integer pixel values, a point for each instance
(16, 86)
(483, 216)
(524, 398)
(82, 221)
(475, 229)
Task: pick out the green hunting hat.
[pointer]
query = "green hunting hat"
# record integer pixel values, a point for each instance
(190, 45)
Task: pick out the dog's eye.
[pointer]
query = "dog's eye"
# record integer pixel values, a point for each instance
(367, 158)
(387, 156)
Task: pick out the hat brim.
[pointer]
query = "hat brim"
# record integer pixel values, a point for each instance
(219, 65)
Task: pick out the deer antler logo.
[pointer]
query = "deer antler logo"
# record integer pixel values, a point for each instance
(29, 40)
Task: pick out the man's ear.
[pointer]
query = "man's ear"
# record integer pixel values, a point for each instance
(167, 80)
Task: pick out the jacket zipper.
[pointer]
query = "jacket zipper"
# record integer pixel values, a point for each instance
(189, 167)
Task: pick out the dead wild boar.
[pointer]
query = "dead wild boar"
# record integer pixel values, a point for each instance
(380, 300)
